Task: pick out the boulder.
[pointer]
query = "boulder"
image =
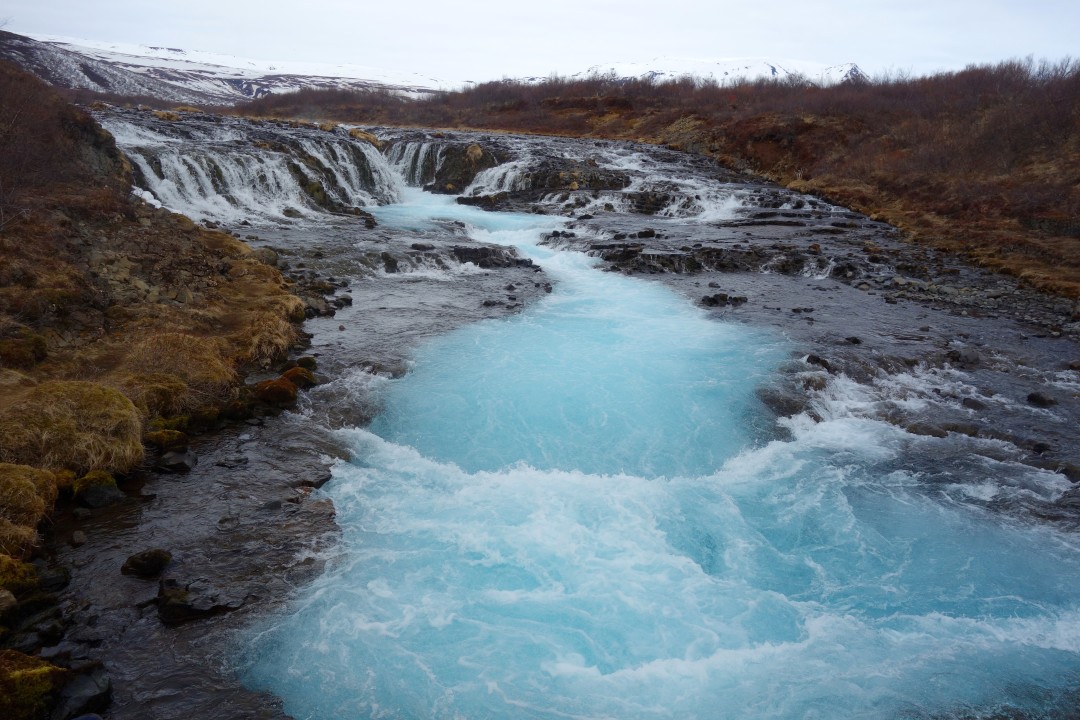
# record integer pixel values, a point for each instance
(173, 461)
(182, 601)
(147, 564)
(88, 692)
(280, 392)
(1041, 400)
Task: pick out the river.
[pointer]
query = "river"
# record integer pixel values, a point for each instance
(583, 507)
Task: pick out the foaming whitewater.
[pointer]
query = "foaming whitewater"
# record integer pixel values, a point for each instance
(577, 513)
(212, 171)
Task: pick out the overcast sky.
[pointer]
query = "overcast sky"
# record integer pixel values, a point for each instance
(489, 40)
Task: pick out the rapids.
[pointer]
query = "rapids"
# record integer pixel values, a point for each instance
(579, 511)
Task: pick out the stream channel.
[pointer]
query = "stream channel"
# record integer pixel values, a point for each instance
(574, 479)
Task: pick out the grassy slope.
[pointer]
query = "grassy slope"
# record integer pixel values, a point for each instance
(984, 162)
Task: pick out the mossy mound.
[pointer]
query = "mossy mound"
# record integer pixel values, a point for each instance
(16, 576)
(27, 685)
(166, 439)
(279, 391)
(72, 424)
(27, 494)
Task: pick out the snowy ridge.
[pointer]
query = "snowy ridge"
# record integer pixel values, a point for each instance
(183, 76)
(195, 77)
(728, 71)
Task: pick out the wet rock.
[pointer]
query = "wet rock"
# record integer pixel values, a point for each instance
(966, 356)
(280, 392)
(86, 692)
(7, 602)
(176, 461)
(181, 601)
(820, 362)
(919, 428)
(78, 538)
(147, 564)
(307, 361)
(1041, 400)
(784, 403)
(266, 255)
(97, 493)
(973, 404)
(316, 482)
(722, 300)
(232, 461)
(54, 578)
(853, 340)
(300, 377)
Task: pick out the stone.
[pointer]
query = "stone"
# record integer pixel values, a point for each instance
(147, 564)
(176, 461)
(78, 538)
(179, 601)
(87, 692)
(1041, 400)
(973, 404)
(307, 361)
(7, 602)
(966, 356)
(280, 391)
(99, 496)
(300, 377)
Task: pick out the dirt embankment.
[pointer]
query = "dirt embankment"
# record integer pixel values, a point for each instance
(123, 328)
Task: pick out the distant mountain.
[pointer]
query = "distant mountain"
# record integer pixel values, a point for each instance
(184, 76)
(191, 77)
(728, 71)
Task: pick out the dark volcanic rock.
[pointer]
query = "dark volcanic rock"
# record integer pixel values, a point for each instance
(147, 564)
(1041, 400)
(183, 601)
(88, 692)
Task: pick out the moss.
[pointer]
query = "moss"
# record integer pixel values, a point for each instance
(16, 576)
(27, 685)
(72, 424)
(164, 439)
(155, 393)
(16, 540)
(300, 377)
(25, 493)
(176, 422)
(94, 479)
(276, 392)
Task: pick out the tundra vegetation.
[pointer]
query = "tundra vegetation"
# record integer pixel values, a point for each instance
(122, 328)
(983, 162)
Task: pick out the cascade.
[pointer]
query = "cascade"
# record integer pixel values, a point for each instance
(212, 171)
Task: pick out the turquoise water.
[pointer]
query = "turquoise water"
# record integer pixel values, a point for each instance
(573, 513)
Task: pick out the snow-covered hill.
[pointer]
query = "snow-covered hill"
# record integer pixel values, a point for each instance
(727, 71)
(192, 77)
(185, 76)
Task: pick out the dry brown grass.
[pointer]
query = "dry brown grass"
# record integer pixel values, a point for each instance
(72, 424)
(27, 495)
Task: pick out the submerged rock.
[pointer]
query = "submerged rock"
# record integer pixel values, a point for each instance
(147, 564)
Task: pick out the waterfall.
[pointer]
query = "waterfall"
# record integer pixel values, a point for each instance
(230, 170)
(417, 161)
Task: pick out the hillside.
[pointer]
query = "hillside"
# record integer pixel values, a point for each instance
(983, 162)
(122, 327)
